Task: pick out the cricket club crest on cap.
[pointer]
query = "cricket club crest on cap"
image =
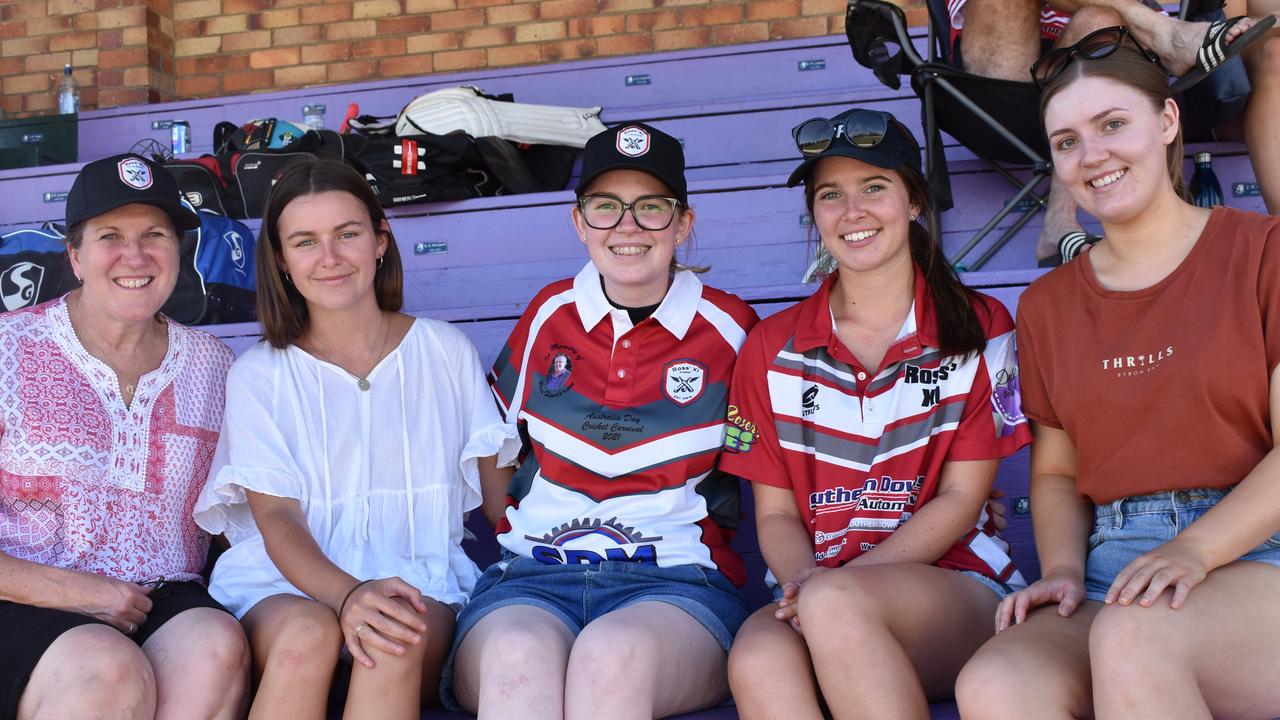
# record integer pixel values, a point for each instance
(684, 381)
(135, 173)
(633, 141)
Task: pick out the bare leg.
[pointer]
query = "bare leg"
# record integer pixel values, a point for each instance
(671, 662)
(90, 671)
(295, 643)
(393, 688)
(1206, 659)
(885, 639)
(1001, 37)
(512, 664)
(1039, 669)
(1262, 116)
(771, 672)
(201, 662)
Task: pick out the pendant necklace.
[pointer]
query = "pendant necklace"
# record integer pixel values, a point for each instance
(362, 381)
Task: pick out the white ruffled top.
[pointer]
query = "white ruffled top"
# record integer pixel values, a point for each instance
(384, 476)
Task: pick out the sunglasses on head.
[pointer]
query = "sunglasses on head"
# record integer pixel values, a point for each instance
(1094, 46)
(861, 128)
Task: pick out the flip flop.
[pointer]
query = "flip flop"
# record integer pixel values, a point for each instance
(1215, 50)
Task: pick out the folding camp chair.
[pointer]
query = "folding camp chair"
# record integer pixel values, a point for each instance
(964, 106)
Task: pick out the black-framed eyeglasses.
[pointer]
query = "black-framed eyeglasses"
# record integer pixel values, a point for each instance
(1096, 45)
(651, 212)
(861, 128)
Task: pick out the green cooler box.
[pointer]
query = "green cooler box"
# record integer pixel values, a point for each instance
(44, 140)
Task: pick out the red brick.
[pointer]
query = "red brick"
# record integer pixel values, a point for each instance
(714, 15)
(537, 32)
(568, 50)
(518, 13)
(597, 26)
(488, 36)
(110, 39)
(513, 55)
(35, 82)
(336, 72)
(122, 17)
(110, 78)
(375, 8)
(681, 39)
(125, 96)
(433, 42)
(220, 63)
(797, 28)
(50, 62)
(49, 25)
(86, 21)
(739, 33)
(351, 30)
(459, 60)
(378, 47)
(38, 102)
(481, 3)
(648, 22)
(273, 58)
(404, 25)
(406, 66)
(773, 9)
(300, 35)
(123, 57)
(197, 86)
(246, 81)
(185, 66)
(328, 52)
(823, 7)
(326, 13)
(223, 25)
(414, 7)
(187, 47)
(10, 66)
(624, 5)
(138, 76)
(457, 19)
(233, 7)
(285, 17)
(14, 29)
(26, 10)
(552, 9)
(70, 7)
(625, 44)
(251, 40)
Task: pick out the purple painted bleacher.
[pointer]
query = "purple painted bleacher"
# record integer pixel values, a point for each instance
(477, 262)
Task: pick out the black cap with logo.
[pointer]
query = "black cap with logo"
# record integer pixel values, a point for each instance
(110, 183)
(635, 146)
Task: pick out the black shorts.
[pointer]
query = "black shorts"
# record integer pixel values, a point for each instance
(26, 632)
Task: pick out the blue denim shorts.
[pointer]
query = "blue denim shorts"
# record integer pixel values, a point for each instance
(578, 594)
(1128, 527)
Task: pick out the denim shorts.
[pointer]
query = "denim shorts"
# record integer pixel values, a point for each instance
(1128, 527)
(578, 594)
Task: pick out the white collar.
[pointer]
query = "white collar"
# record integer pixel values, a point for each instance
(675, 313)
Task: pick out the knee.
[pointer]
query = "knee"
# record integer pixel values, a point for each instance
(1086, 20)
(223, 646)
(1128, 633)
(525, 648)
(751, 660)
(992, 685)
(1265, 68)
(619, 649)
(308, 639)
(108, 675)
(846, 599)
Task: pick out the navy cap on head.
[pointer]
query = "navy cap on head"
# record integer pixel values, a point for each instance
(104, 185)
(635, 146)
(897, 149)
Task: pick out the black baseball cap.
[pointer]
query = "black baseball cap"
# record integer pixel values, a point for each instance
(106, 184)
(635, 146)
(897, 148)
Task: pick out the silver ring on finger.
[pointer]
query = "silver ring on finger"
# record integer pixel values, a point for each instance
(360, 627)
(132, 629)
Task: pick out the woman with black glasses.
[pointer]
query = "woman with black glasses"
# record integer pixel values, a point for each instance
(616, 596)
(1149, 374)
(878, 410)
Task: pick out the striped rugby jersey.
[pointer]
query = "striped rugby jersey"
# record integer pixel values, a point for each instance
(862, 451)
(622, 426)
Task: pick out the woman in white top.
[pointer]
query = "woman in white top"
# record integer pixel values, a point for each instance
(355, 439)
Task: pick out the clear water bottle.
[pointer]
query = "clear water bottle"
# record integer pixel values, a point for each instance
(68, 93)
(1205, 189)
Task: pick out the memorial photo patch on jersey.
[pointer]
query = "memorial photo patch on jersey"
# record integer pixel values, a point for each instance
(633, 141)
(134, 173)
(684, 381)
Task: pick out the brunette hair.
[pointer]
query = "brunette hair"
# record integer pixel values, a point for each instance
(1127, 65)
(281, 308)
(960, 332)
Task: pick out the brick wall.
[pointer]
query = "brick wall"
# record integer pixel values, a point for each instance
(134, 51)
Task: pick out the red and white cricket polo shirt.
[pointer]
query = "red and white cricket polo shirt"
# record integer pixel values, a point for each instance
(863, 450)
(623, 426)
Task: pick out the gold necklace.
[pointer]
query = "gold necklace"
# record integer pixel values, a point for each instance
(362, 381)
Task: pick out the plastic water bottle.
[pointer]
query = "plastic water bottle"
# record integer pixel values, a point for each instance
(68, 93)
(1205, 189)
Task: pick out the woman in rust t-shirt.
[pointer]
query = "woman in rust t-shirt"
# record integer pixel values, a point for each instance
(1148, 370)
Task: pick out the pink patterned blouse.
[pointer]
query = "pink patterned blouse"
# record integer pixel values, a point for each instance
(87, 483)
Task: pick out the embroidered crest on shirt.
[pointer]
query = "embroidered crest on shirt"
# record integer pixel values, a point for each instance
(684, 381)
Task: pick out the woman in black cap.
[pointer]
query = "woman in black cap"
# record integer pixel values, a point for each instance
(109, 415)
(889, 395)
(616, 594)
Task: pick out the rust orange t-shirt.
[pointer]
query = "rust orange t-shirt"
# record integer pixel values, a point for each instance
(1164, 388)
